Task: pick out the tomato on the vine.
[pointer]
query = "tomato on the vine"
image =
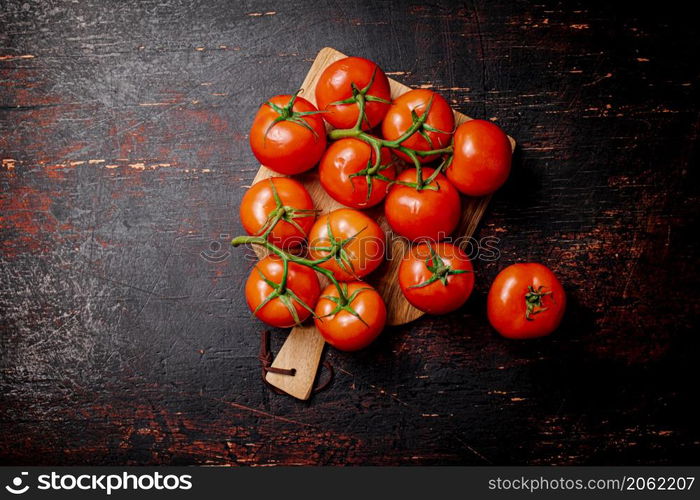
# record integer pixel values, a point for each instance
(435, 133)
(346, 81)
(279, 207)
(278, 307)
(436, 278)
(526, 301)
(348, 173)
(288, 134)
(352, 324)
(482, 158)
(430, 213)
(355, 243)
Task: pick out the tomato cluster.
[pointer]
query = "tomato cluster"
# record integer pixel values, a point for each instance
(406, 153)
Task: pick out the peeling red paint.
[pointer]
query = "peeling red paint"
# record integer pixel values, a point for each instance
(25, 215)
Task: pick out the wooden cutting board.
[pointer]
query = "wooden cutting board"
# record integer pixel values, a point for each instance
(303, 348)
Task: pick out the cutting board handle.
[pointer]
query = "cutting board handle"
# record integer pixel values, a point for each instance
(301, 351)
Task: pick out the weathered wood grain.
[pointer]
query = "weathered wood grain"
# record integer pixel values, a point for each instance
(124, 156)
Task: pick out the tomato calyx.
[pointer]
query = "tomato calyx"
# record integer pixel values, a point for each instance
(440, 271)
(283, 212)
(287, 113)
(427, 184)
(419, 125)
(422, 184)
(424, 127)
(344, 302)
(533, 302)
(361, 97)
(371, 172)
(336, 249)
(282, 292)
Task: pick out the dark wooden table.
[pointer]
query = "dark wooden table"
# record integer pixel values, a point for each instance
(124, 336)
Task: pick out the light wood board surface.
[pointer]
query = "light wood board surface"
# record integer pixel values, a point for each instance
(304, 345)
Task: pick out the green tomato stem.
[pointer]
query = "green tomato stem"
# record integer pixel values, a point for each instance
(361, 115)
(287, 257)
(377, 143)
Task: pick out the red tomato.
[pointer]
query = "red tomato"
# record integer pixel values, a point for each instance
(482, 157)
(286, 136)
(283, 310)
(526, 301)
(336, 84)
(281, 206)
(354, 325)
(355, 242)
(435, 133)
(430, 214)
(436, 278)
(339, 169)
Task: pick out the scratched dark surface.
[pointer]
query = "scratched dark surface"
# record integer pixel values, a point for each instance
(123, 138)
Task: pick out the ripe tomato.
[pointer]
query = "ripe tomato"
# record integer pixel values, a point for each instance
(526, 301)
(436, 278)
(280, 207)
(287, 136)
(281, 309)
(336, 84)
(435, 133)
(431, 213)
(354, 325)
(347, 174)
(355, 242)
(482, 157)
